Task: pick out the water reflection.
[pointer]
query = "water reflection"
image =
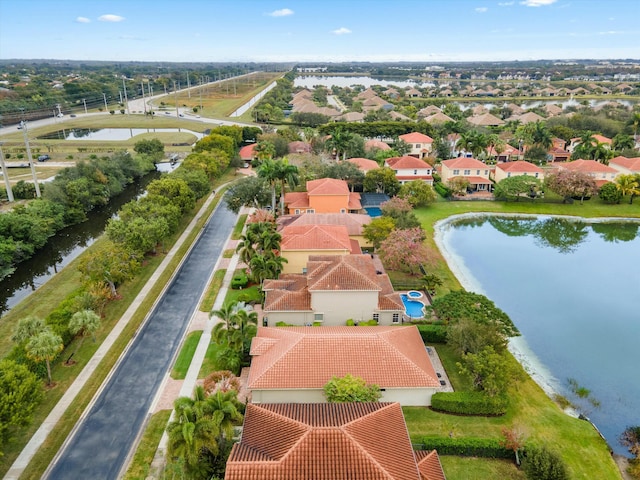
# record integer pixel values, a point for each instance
(109, 133)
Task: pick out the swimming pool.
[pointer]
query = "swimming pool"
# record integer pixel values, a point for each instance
(414, 294)
(412, 308)
(373, 211)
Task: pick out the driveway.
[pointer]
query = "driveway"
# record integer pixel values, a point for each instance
(103, 439)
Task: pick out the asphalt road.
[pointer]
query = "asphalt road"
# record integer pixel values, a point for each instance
(100, 445)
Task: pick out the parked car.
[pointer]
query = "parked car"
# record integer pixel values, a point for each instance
(73, 115)
(60, 115)
(44, 158)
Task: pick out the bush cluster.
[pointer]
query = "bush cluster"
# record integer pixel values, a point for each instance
(433, 333)
(467, 447)
(469, 403)
(239, 281)
(443, 190)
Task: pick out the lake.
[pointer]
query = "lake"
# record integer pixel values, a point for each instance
(573, 290)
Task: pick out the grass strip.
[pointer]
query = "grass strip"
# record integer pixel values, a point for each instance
(228, 253)
(209, 364)
(141, 463)
(212, 291)
(237, 230)
(249, 294)
(179, 371)
(473, 468)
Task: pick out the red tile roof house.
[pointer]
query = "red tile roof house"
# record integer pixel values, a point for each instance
(408, 169)
(515, 169)
(328, 441)
(421, 144)
(292, 364)
(334, 289)
(597, 139)
(301, 241)
(364, 164)
(625, 165)
(354, 222)
(375, 144)
(248, 152)
(476, 172)
(509, 154)
(326, 195)
(600, 172)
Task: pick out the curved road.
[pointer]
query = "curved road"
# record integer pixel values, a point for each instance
(101, 443)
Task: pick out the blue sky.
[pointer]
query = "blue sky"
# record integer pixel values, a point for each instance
(321, 30)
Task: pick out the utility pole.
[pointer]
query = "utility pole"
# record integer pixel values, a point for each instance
(175, 96)
(188, 85)
(30, 157)
(120, 93)
(106, 108)
(84, 100)
(7, 183)
(144, 102)
(126, 100)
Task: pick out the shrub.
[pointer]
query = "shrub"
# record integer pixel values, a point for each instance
(433, 333)
(350, 322)
(284, 324)
(469, 403)
(540, 463)
(467, 447)
(443, 190)
(239, 281)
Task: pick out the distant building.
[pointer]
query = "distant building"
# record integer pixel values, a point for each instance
(327, 195)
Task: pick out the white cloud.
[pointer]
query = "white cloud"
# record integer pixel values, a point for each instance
(612, 32)
(341, 31)
(505, 4)
(110, 18)
(481, 9)
(283, 12)
(83, 20)
(537, 3)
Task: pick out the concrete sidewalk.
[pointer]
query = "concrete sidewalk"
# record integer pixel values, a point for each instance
(52, 419)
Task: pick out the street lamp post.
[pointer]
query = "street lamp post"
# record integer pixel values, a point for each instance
(30, 158)
(7, 184)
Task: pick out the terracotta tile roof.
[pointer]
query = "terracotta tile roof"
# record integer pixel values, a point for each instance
(247, 152)
(390, 302)
(374, 143)
(429, 110)
(406, 162)
(632, 164)
(519, 166)
(354, 201)
(464, 162)
(327, 186)
(476, 180)
(429, 465)
(299, 147)
(438, 117)
(414, 177)
(323, 441)
(416, 137)
(602, 139)
(485, 120)
(588, 166)
(315, 237)
(341, 272)
(399, 116)
(528, 117)
(508, 150)
(354, 222)
(352, 117)
(364, 164)
(395, 357)
(296, 199)
(287, 294)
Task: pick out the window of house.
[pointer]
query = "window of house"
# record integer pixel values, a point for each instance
(477, 172)
(304, 270)
(417, 145)
(311, 210)
(536, 174)
(456, 172)
(415, 172)
(297, 211)
(342, 210)
(318, 317)
(486, 172)
(467, 172)
(508, 174)
(376, 317)
(396, 318)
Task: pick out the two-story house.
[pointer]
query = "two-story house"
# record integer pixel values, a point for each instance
(409, 168)
(515, 169)
(326, 195)
(421, 144)
(625, 165)
(600, 172)
(472, 170)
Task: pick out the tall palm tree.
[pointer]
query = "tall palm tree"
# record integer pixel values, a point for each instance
(84, 323)
(622, 141)
(226, 412)
(44, 347)
(28, 327)
(266, 266)
(340, 142)
(472, 141)
(628, 185)
(288, 176)
(602, 153)
(269, 171)
(540, 135)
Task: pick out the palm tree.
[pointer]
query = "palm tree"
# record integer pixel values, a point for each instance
(540, 135)
(226, 315)
(84, 322)
(628, 185)
(269, 171)
(266, 266)
(194, 432)
(269, 241)
(622, 141)
(288, 176)
(472, 141)
(585, 147)
(265, 150)
(340, 142)
(28, 327)
(602, 153)
(226, 412)
(44, 346)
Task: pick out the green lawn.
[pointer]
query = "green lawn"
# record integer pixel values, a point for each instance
(249, 294)
(212, 291)
(237, 230)
(139, 468)
(209, 363)
(179, 371)
(471, 468)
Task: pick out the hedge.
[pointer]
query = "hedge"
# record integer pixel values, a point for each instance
(442, 190)
(467, 447)
(239, 281)
(469, 403)
(433, 333)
